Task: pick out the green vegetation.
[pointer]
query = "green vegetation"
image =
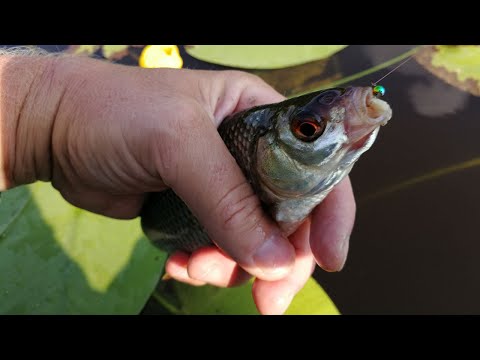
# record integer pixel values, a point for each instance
(262, 56)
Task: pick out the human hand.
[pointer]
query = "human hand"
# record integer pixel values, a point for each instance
(117, 133)
(322, 239)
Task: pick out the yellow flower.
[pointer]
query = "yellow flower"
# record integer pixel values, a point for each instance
(158, 56)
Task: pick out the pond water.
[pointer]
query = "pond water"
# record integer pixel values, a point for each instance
(415, 246)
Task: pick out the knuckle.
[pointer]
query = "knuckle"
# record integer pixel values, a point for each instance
(242, 76)
(165, 156)
(240, 209)
(183, 126)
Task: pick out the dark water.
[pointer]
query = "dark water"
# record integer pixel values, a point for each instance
(415, 250)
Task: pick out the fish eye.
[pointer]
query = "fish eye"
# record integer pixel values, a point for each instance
(307, 127)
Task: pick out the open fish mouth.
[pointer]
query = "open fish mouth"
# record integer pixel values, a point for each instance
(369, 112)
(377, 111)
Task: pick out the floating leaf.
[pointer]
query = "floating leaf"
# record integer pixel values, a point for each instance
(58, 259)
(458, 65)
(161, 56)
(261, 56)
(83, 49)
(114, 52)
(312, 299)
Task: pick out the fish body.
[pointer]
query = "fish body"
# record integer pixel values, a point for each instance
(293, 153)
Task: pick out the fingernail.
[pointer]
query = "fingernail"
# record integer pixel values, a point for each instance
(275, 256)
(166, 277)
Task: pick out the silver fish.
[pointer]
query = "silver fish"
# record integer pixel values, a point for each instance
(293, 153)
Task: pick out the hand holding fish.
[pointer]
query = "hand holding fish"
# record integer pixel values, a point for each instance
(107, 135)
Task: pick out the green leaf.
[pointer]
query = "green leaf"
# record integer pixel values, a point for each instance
(206, 300)
(114, 52)
(312, 299)
(457, 65)
(261, 56)
(82, 49)
(58, 259)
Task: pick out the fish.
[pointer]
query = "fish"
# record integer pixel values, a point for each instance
(292, 153)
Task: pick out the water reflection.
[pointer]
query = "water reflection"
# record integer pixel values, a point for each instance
(435, 99)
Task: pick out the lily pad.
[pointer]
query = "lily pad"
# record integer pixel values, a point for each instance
(261, 56)
(312, 299)
(58, 259)
(458, 65)
(82, 49)
(114, 52)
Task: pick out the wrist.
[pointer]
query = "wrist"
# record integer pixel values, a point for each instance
(30, 93)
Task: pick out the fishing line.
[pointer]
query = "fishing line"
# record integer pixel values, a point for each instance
(391, 71)
(379, 90)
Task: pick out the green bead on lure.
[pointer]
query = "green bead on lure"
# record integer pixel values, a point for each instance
(378, 90)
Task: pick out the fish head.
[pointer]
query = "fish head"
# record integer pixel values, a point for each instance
(312, 144)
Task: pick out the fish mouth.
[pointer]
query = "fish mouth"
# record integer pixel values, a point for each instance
(368, 113)
(376, 111)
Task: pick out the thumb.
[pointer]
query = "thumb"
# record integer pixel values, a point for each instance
(209, 181)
